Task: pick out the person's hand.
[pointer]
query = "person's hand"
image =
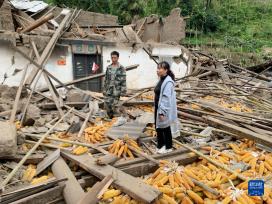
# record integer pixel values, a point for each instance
(161, 117)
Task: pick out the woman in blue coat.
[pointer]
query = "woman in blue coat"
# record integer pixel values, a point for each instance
(165, 107)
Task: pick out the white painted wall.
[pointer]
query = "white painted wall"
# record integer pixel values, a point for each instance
(142, 77)
(145, 75)
(10, 61)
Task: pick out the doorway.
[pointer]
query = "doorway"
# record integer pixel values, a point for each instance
(83, 64)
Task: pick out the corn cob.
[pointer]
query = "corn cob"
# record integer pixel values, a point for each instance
(186, 200)
(195, 197)
(169, 199)
(39, 180)
(110, 194)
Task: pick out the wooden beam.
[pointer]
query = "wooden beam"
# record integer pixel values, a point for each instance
(128, 68)
(242, 132)
(49, 48)
(140, 191)
(53, 156)
(33, 159)
(86, 120)
(72, 191)
(141, 26)
(53, 94)
(45, 196)
(29, 190)
(38, 23)
(92, 196)
(18, 93)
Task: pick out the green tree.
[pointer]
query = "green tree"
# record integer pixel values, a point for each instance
(99, 6)
(126, 10)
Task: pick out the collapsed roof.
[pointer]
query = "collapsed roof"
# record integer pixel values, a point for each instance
(17, 16)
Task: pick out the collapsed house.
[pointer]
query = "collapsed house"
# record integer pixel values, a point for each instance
(56, 149)
(90, 39)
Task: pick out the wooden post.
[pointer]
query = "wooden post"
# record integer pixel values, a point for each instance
(17, 98)
(38, 23)
(72, 191)
(49, 48)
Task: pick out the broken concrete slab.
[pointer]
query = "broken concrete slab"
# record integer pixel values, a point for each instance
(33, 113)
(146, 118)
(8, 139)
(76, 96)
(133, 129)
(40, 122)
(171, 29)
(35, 130)
(8, 92)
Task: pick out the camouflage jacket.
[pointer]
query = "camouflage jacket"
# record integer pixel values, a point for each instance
(115, 81)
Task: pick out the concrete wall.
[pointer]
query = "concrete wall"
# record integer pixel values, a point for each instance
(145, 75)
(11, 64)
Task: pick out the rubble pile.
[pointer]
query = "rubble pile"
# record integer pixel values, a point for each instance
(57, 146)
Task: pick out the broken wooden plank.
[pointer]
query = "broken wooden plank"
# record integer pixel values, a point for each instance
(54, 95)
(140, 191)
(49, 48)
(29, 190)
(86, 120)
(72, 191)
(38, 23)
(242, 132)
(33, 159)
(53, 156)
(93, 196)
(45, 196)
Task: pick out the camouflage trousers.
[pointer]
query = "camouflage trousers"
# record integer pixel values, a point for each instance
(111, 105)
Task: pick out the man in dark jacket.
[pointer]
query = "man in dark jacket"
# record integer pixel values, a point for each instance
(114, 84)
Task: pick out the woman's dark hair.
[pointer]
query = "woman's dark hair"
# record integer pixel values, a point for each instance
(115, 53)
(165, 65)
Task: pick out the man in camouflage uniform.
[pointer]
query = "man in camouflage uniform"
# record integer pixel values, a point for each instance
(114, 85)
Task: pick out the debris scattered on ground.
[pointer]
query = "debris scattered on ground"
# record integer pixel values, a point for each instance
(224, 111)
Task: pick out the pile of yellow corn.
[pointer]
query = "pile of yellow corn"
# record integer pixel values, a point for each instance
(30, 172)
(150, 131)
(80, 150)
(18, 125)
(235, 106)
(96, 134)
(238, 107)
(146, 108)
(176, 182)
(149, 96)
(42, 179)
(121, 147)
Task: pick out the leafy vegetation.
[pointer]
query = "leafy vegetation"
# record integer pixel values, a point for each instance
(240, 25)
